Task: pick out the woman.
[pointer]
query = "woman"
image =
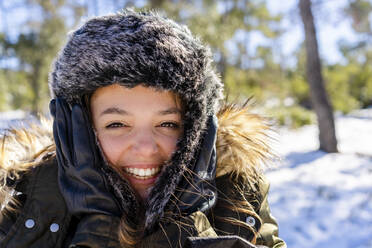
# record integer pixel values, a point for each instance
(143, 153)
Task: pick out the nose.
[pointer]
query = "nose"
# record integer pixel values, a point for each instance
(144, 144)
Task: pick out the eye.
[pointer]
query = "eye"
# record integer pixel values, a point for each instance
(172, 125)
(115, 125)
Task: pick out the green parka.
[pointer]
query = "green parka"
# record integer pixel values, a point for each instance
(34, 213)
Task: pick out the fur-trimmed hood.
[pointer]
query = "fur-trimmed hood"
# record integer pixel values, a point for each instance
(242, 148)
(134, 48)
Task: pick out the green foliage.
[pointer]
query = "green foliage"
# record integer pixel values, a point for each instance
(3, 93)
(358, 70)
(34, 51)
(242, 83)
(299, 88)
(360, 11)
(363, 86)
(348, 85)
(339, 88)
(18, 93)
(293, 116)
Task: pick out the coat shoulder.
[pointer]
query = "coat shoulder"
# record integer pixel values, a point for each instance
(40, 214)
(21, 150)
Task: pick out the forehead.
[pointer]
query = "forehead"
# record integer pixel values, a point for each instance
(132, 98)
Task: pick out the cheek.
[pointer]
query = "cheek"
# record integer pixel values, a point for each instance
(168, 145)
(111, 147)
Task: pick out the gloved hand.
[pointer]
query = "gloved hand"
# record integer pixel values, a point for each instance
(201, 193)
(80, 178)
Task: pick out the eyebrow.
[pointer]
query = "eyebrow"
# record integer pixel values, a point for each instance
(170, 111)
(115, 110)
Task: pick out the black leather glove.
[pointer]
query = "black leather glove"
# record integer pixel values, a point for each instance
(80, 177)
(201, 193)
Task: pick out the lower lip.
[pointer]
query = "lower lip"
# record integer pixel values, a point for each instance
(134, 180)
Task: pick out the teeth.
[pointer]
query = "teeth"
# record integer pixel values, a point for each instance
(143, 173)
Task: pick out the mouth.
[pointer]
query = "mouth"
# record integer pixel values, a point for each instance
(142, 173)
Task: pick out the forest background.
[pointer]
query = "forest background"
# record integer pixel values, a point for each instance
(32, 32)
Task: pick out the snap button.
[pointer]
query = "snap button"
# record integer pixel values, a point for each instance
(250, 221)
(30, 223)
(54, 227)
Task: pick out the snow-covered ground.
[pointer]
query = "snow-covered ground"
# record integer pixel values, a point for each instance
(320, 199)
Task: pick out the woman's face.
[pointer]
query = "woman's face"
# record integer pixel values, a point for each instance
(137, 129)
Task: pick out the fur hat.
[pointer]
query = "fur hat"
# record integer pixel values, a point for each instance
(131, 48)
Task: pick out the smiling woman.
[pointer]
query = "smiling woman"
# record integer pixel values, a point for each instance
(144, 152)
(138, 129)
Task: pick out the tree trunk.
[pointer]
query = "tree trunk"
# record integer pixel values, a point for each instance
(318, 94)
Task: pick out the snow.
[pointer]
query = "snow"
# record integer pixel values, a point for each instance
(11, 118)
(318, 199)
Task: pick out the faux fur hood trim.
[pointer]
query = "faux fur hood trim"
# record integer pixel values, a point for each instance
(243, 147)
(243, 143)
